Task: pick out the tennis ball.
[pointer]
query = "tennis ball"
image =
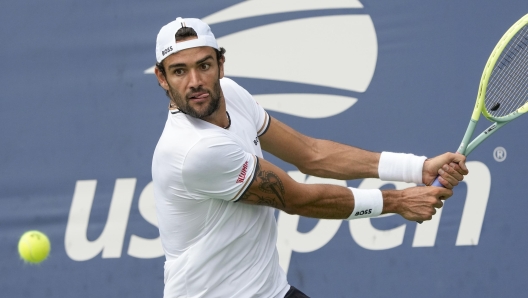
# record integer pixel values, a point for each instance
(34, 247)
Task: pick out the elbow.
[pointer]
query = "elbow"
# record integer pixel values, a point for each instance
(311, 161)
(303, 169)
(311, 168)
(290, 207)
(296, 206)
(290, 211)
(309, 165)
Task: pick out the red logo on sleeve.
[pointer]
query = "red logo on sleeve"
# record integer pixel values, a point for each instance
(242, 175)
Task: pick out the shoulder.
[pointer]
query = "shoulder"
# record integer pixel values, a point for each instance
(233, 90)
(228, 83)
(213, 168)
(183, 134)
(213, 149)
(212, 142)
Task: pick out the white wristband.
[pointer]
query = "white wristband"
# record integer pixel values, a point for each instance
(367, 203)
(401, 167)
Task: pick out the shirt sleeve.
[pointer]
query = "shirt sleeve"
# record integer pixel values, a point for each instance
(262, 118)
(218, 168)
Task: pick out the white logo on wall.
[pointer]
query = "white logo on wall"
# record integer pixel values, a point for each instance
(111, 242)
(336, 52)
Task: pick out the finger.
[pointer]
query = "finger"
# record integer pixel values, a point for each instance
(423, 218)
(450, 174)
(455, 171)
(439, 204)
(443, 193)
(461, 161)
(459, 170)
(443, 180)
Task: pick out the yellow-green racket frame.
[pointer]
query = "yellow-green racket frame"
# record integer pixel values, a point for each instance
(499, 122)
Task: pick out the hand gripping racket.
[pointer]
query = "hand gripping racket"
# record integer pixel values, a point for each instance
(503, 90)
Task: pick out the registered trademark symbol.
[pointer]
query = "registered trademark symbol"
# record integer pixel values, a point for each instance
(499, 154)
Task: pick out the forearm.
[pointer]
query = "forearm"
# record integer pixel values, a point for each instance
(318, 157)
(339, 161)
(417, 203)
(336, 202)
(329, 159)
(324, 201)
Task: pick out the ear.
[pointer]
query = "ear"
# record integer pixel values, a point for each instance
(161, 78)
(221, 67)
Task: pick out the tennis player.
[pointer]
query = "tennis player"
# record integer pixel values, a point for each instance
(215, 194)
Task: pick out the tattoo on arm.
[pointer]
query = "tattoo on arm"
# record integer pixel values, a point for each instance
(271, 190)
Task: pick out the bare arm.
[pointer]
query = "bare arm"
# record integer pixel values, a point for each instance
(273, 187)
(321, 158)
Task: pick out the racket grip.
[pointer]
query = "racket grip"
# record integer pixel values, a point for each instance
(437, 183)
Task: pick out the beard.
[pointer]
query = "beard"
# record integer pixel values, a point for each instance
(182, 102)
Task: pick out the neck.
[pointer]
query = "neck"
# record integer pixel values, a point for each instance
(220, 117)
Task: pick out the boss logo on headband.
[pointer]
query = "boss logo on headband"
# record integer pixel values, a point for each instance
(166, 51)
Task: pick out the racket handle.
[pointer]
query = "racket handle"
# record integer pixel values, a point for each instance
(437, 183)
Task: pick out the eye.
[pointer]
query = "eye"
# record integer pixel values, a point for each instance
(205, 66)
(179, 71)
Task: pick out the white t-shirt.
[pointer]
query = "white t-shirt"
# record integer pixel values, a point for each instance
(214, 246)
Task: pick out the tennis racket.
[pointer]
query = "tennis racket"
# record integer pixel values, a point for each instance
(503, 90)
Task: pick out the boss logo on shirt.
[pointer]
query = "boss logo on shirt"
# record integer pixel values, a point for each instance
(242, 175)
(367, 211)
(255, 141)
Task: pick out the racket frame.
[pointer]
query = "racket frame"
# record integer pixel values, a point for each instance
(479, 108)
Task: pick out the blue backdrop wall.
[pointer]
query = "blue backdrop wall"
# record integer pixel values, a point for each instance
(81, 113)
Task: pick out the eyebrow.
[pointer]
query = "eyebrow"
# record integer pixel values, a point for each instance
(197, 62)
(204, 59)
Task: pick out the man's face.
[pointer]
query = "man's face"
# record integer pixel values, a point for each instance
(193, 80)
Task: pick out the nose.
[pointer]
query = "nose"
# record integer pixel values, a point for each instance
(195, 79)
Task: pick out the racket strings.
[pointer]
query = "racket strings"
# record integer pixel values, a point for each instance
(508, 83)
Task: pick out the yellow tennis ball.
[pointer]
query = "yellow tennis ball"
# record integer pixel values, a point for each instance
(34, 247)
